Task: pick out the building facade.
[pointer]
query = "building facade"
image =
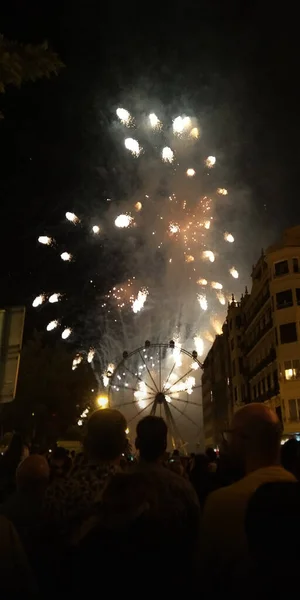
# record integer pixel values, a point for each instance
(216, 392)
(261, 339)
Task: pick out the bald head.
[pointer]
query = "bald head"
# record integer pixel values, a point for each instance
(256, 432)
(33, 473)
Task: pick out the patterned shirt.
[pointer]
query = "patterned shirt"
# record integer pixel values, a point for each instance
(73, 498)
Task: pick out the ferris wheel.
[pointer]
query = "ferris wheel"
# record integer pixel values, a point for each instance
(162, 380)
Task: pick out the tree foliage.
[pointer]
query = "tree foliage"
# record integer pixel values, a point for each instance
(26, 62)
(50, 396)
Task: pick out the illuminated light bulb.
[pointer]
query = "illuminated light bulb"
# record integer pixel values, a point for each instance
(102, 401)
(222, 191)
(138, 206)
(202, 281)
(95, 229)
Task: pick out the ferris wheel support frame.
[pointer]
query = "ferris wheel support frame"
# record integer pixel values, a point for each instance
(159, 398)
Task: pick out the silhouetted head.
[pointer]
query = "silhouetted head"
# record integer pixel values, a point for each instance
(211, 455)
(255, 436)
(151, 440)
(106, 438)
(290, 456)
(33, 473)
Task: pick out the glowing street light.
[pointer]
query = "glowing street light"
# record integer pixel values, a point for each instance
(102, 401)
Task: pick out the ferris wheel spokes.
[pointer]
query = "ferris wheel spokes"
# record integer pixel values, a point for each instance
(141, 411)
(148, 372)
(139, 378)
(159, 379)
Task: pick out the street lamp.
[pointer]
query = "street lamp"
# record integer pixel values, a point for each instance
(102, 401)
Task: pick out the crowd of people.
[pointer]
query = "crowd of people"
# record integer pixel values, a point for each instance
(74, 525)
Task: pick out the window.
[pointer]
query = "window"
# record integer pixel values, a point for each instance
(298, 296)
(294, 405)
(233, 368)
(279, 413)
(288, 333)
(259, 389)
(281, 268)
(238, 322)
(243, 392)
(276, 337)
(292, 369)
(284, 299)
(269, 382)
(263, 385)
(295, 265)
(275, 378)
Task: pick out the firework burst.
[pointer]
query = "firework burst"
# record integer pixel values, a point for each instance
(177, 267)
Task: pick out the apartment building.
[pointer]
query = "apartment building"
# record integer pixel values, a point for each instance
(216, 392)
(262, 339)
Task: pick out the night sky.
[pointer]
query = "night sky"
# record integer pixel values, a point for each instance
(241, 67)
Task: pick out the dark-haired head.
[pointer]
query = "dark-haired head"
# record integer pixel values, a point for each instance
(151, 440)
(106, 435)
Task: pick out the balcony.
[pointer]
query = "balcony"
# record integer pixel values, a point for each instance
(274, 391)
(263, 363)
(281, 305)
(260, 335)
(257, 307)
(291, 426)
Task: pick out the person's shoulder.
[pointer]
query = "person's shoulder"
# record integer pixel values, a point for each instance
(221, 497)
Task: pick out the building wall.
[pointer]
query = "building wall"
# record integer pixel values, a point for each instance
(216, 391)
(284, 268)
(257, 358)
